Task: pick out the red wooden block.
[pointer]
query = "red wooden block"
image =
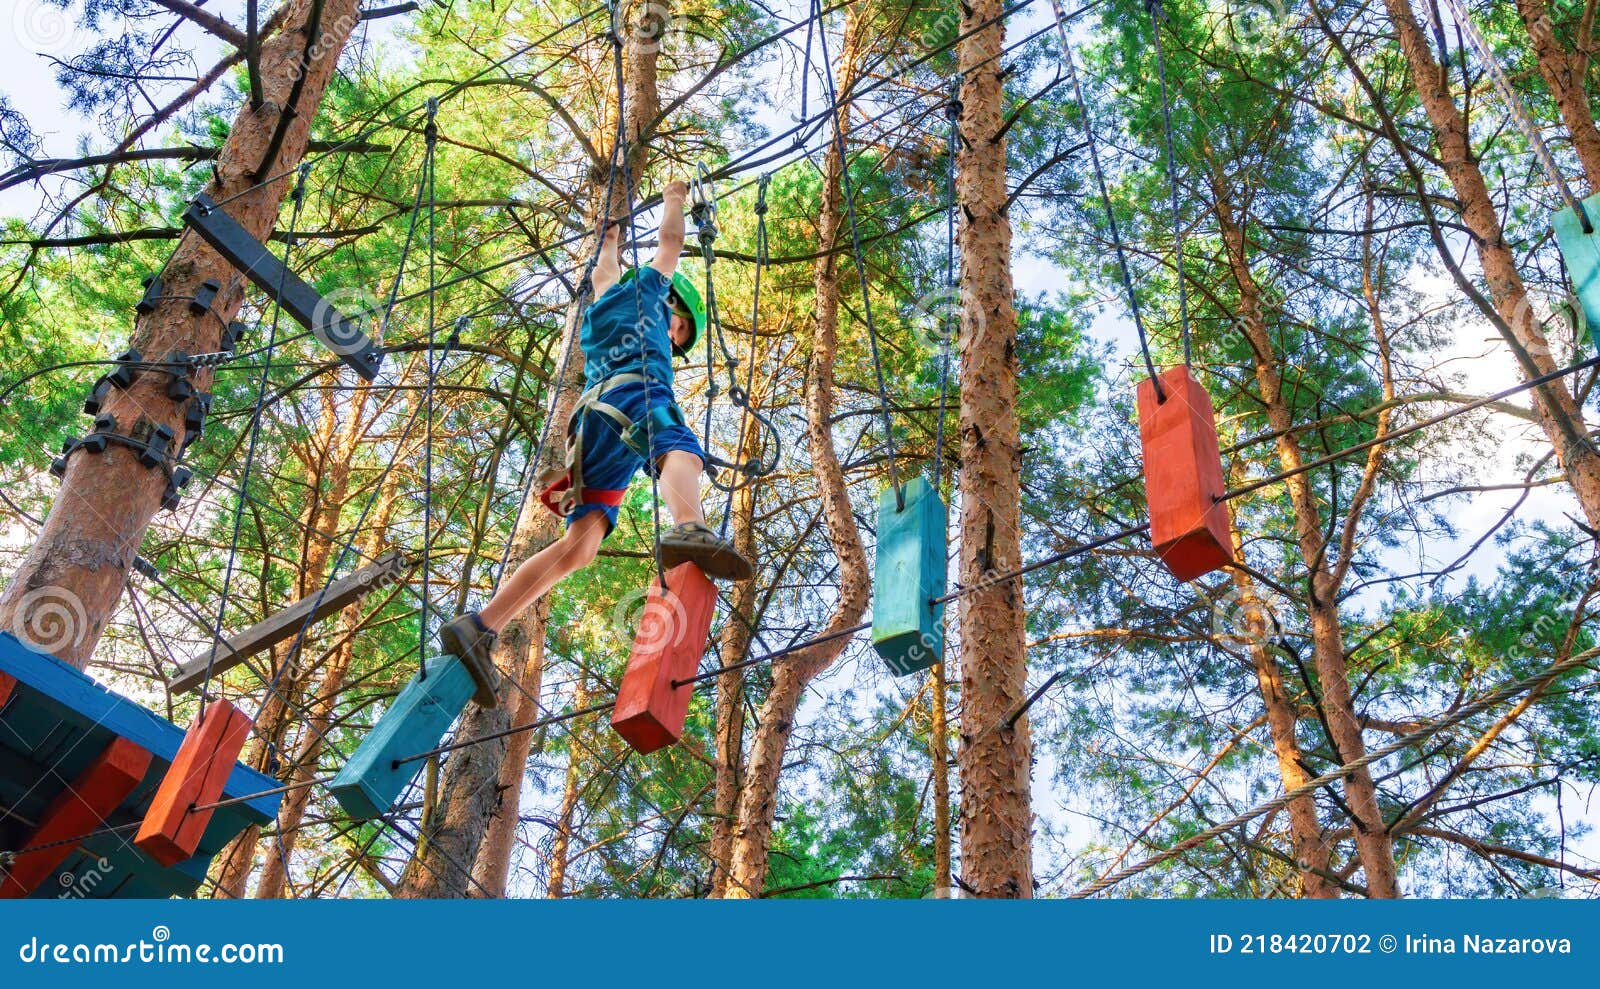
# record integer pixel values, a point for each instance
(172, 828)
(8, 683)
(75, 812)
(1189, 522)
(650, 711)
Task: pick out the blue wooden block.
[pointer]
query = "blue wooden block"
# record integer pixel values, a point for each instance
(54, 723)
(1581, 251)
(907, 631)
(370, 783)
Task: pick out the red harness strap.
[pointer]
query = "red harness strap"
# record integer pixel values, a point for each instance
(551, 496)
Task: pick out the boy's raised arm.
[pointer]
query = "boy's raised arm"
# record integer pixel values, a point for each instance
(670, 237)
(608, 268)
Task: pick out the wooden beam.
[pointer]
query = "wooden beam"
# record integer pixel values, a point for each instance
(286, 624)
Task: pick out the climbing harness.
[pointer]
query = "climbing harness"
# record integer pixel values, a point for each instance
(561, 489)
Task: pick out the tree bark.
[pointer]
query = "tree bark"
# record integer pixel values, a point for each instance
(939, 756)
(87, 544)
(561, 841)
(1373, 844)
(1559, 415)
(752, 837)
(492, 871)
(995, 756)
(1563, 74)
(736, 638)
(274, 870)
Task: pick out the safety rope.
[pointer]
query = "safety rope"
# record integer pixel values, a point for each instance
(1105, 197)
(1157, 15)
(840, 115)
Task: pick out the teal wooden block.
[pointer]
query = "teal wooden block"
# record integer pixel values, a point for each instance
(370, 783)
(907, 631)
(1581, 251)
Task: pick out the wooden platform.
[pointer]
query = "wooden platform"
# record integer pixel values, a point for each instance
(54, 724)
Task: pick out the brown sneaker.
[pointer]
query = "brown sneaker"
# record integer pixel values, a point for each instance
(469, 640)
(695, 543)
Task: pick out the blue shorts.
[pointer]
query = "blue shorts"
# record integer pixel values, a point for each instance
(608, 463)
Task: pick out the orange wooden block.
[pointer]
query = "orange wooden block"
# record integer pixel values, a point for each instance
(1189, 522)
(650, 711)
(8, 683)
(74, 813)
(172, 828)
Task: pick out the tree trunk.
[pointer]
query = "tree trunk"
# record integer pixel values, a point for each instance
(939, 756)
(1559, 416)
(736, 637)
(1373, 844)
(469, 793)
(752, 837)
(83, 553)
(327, 464)
(995, 757)
(1563, 74)
(274, 870)
(561, 841)
(492, 871)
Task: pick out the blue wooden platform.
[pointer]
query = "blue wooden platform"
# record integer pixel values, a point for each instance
(53, 725)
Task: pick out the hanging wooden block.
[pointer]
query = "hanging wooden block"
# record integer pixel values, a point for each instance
(650, 711)
(172, 827)
(373, 779)
(1189, 522)
(77, 811)
(8, 683)
(907, 629)
(1581, 251)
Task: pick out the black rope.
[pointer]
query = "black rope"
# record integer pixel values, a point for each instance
(1157, 15)
(837, 113)
(1105, 198)
(431, 136)
(297, 195)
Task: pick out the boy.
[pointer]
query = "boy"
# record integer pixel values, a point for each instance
(638, 321)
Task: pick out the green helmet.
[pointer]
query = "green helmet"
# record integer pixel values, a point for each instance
(684, 299)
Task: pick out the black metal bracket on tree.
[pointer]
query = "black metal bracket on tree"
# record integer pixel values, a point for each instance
(337, 331)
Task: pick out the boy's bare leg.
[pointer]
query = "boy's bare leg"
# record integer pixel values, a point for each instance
(680, 486)
(545, 569)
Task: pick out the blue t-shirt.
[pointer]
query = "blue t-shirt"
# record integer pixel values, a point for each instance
(626, 330)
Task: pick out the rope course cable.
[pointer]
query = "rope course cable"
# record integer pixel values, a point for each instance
(1105, 197)
(1484, 703)
(1157, 15)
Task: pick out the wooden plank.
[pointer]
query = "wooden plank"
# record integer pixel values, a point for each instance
(909, 572)
(79, 809)
(1189, 522)
(172, 827)
(371, 782)
(650, 711)
(8, 683)
(286, 624)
